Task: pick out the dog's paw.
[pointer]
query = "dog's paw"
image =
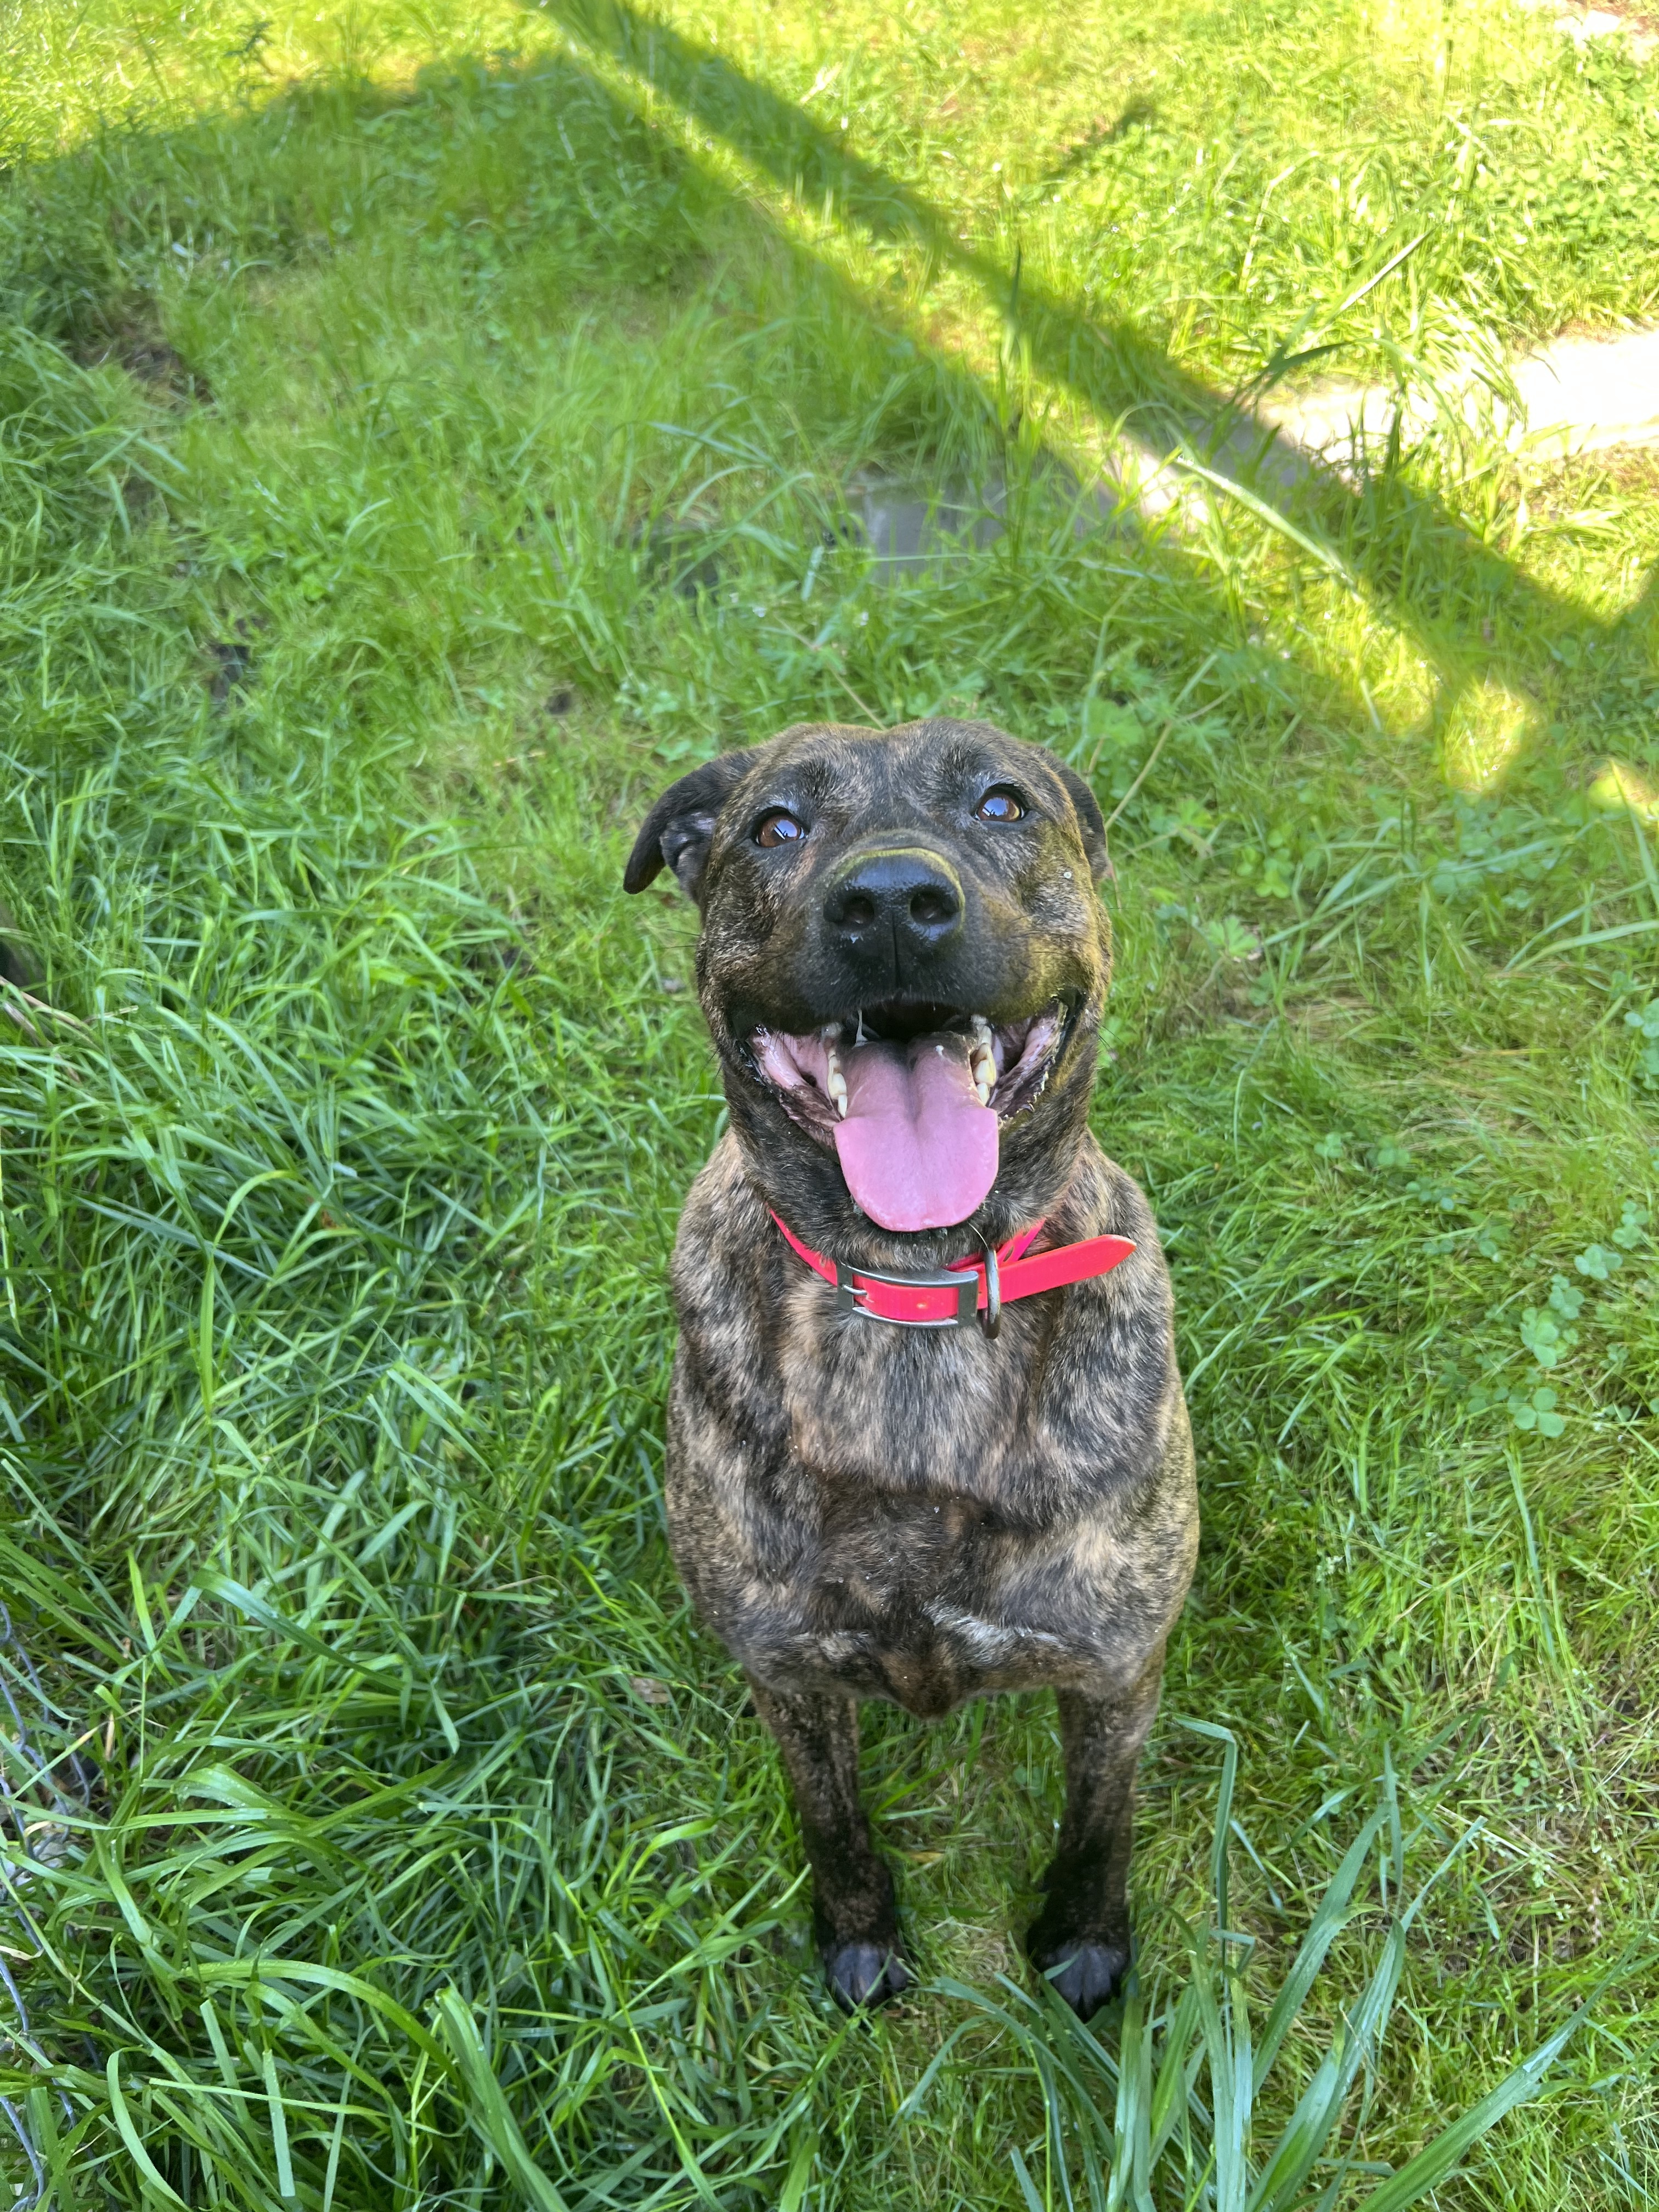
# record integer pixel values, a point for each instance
(865, 1973)
(1087, 1974)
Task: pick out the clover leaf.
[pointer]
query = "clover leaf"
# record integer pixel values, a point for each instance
(1632, 1227)
(1596, 1262)
(1537, 1412)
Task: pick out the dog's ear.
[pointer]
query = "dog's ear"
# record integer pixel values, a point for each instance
(679, 828)
(1091, 825)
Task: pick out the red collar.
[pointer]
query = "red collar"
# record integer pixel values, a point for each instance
(951, 1297)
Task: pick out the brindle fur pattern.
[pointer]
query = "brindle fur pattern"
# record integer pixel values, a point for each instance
(862, 1510)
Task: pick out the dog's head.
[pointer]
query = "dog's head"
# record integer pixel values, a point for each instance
(902, 962)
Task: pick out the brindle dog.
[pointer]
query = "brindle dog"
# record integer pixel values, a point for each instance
(902, 962)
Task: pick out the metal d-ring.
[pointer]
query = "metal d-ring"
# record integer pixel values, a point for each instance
(991, 1320)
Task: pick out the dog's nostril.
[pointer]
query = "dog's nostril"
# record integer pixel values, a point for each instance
(931, 905)
(858, 913)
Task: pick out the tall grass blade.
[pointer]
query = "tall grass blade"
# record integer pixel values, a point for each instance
(486, 2108)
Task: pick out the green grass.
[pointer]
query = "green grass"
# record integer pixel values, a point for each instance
(419, 1850)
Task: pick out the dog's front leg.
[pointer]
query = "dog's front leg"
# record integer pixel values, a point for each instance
(854, 1914)
(1082, 1929)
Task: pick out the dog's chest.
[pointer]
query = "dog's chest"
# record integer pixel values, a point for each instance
(924, 1515)
(878, 1555)
(907, 1453)
(907, 1595)
(903, 1411)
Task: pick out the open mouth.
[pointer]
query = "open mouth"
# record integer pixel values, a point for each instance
(913, 1097)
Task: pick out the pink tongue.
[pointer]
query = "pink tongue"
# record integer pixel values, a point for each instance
(917, 1148)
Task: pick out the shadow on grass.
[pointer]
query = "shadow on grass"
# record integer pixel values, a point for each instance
(1418, 562)
(1468, 608)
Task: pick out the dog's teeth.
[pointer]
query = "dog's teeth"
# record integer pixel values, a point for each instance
(834, 1081)
(981, 1060)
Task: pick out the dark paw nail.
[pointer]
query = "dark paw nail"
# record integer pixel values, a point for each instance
(864, 1974)
(1086, 1975)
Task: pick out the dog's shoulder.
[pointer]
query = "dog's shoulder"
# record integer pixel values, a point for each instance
(1103, 1200)
(723, 1248)
(1107, 1391)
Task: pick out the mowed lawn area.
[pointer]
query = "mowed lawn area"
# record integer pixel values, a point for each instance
(425, 430)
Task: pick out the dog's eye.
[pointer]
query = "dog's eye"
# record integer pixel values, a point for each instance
(1000, 804)
(778, 828)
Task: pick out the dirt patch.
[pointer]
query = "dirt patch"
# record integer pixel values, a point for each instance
(135, 341)
(231, 665)
(18, 965)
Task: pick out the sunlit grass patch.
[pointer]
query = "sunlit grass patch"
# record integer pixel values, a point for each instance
(1487, 732)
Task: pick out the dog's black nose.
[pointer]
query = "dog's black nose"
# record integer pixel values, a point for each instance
(911, 893)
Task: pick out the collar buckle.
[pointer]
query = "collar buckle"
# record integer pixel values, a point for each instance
(851, 1282)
